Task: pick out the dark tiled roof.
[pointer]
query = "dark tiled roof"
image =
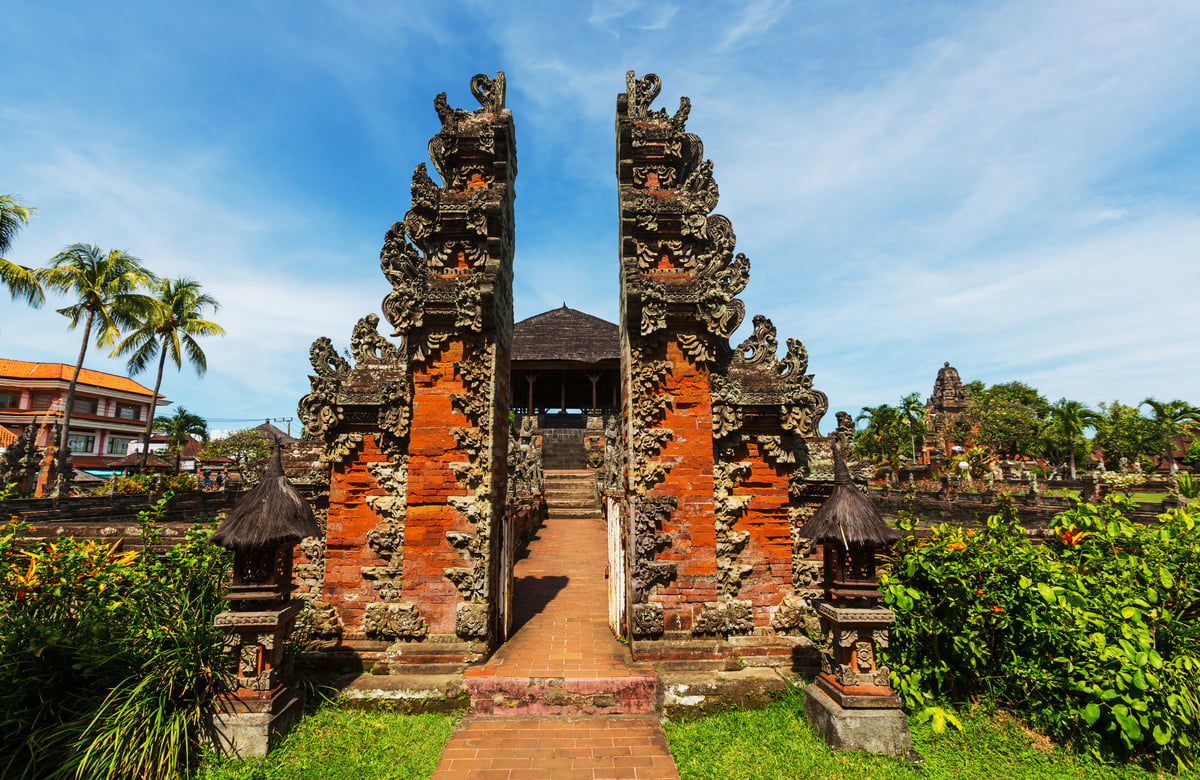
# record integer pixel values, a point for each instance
(566, 334)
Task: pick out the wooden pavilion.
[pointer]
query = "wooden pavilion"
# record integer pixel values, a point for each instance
(564, 360)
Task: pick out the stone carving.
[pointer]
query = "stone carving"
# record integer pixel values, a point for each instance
(471, 620)
(728, 507)
(647, 620)
(393, 621)
(648, 516)
(725, 617)
(367, 346)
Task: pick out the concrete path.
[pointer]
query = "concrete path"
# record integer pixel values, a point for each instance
(562, 698)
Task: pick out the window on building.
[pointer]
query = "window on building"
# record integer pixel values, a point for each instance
(118, 445)
(84, 406)
(79, 442)
(127, 411)
(42, 399)
(10, 399)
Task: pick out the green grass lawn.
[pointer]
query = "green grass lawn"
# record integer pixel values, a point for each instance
(347, 744)
(777, 742)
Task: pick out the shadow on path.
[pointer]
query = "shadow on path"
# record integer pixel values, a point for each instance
(531, 595)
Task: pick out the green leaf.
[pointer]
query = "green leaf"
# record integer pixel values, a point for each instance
(1128, 724)
(1024, 583)
(1164, 576)
(1091, 713)
(1045, 592)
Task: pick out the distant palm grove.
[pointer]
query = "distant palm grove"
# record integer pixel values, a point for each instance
(120, 304)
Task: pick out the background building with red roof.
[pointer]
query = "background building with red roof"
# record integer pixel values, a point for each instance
(110, 411)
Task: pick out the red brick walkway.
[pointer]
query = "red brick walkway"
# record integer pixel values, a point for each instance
(629, 746)
(561, 651)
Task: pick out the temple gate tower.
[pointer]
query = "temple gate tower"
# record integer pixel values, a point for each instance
(720, 443)
(414, 435)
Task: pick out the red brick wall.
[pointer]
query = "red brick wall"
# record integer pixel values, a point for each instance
(346, 550)
(769, 548)
(429, 516)
(690, 480)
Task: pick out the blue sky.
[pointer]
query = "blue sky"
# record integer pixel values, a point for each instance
(1010, 186)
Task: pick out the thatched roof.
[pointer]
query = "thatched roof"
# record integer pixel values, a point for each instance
(847, 517)
(275, 435)
(270, 514)
(566, 334)
(134, 460)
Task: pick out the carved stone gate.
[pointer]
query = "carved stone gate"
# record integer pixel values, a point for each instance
(715, 467)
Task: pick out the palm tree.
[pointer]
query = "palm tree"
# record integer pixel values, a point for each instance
(104, 287)
(170, 331)
(178, 427)
(20, 281)
(1070, 418)
(1170, 422)
(913, 412)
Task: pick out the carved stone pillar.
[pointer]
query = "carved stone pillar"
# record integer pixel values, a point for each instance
(416, 434)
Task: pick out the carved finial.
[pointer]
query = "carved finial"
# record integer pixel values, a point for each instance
(489, 92)
(641, 92)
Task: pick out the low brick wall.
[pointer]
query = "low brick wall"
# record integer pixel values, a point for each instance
(974, 508)
(114, 519)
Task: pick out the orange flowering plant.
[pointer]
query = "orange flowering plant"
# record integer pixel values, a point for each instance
(83, 628)
(1092, 634)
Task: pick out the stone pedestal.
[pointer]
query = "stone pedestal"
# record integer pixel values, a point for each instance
(263, 700)
(242, 727)
(875, 730)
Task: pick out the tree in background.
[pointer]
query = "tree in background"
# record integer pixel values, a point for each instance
(178, 427)
(1068, 420)
(104, 287)
(243, 446)
(1009, 419)
(884, 438)
(1122, 432)
(21, 282)
(1169, 424)
(912, 411)
(169, 331)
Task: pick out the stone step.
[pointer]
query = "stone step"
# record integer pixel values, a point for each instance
(524, 696)
(571, 503)
(569, 514)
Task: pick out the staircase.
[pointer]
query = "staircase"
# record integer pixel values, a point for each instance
(572, 495)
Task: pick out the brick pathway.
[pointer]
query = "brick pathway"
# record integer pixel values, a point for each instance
(562, 658)
(629, 746)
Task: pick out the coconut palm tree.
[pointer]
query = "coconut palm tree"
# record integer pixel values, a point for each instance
(169, 332)
(104, 287)
(1170, 421)
(913, 412)
(20, 281)
(179, 426)
(1070, 419)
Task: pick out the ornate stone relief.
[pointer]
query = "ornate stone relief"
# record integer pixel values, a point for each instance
(394, 621)
(648, 514)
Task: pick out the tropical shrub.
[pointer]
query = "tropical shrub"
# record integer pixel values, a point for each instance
(108, 661)
(1094, 636)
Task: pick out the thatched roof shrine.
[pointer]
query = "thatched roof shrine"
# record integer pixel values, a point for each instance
(847, 517)
(272, 513)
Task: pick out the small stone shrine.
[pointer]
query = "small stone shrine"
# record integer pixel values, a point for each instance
(851, 703)
(261, 530)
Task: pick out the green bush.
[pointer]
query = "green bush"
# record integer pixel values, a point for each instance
(108, 661)
(1093, 636)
